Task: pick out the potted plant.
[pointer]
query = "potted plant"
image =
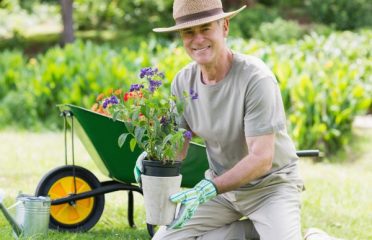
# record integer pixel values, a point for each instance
(152, 119)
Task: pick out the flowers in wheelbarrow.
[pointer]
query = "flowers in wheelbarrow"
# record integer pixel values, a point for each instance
(151, 115)
(103, 103)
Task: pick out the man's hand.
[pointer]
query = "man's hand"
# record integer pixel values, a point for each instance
(138, 169)
(190, 200)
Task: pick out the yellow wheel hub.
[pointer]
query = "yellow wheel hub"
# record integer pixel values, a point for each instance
(65, 213)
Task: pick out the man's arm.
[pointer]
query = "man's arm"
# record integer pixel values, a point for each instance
(256, 164)
(183, 153)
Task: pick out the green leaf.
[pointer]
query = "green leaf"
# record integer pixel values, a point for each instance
(156, 127)
(132, 143)
(167, 139)
(122, 139)
(115, 115)
(129, 126)
(138, 133)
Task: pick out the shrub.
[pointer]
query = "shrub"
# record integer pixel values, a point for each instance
(325, 81)
(137, 17)
(247, 22)
(280, 31)
(344, 14)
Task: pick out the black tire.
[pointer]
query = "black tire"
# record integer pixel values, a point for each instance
(90, 214)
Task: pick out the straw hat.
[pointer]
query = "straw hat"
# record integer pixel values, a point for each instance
(190, 13)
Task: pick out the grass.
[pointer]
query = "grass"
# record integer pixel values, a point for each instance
(337, 197)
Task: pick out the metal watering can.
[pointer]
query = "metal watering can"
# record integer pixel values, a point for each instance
(31, 217)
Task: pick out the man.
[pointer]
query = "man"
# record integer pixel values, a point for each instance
(252, 189)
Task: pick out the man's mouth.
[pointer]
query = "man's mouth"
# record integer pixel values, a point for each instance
(200, 49)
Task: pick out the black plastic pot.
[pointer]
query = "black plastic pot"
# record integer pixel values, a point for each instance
(161, 169)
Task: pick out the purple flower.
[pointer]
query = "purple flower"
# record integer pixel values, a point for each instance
(135, 87)
(161, 75)
(105, 103)
(114, 100)
(187, 135)
(154, 85)
(144, 72)
(194, 95)
(164, 121)
(148, 72)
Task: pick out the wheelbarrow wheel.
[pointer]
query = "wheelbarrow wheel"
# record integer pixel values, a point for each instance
(80, 215)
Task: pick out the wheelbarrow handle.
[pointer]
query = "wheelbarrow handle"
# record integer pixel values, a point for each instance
(309, 153)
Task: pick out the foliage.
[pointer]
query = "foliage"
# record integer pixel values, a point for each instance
(325, 81)
(16, 22)
(151, 117)
(20, 19)
(280, 31)
(344, 14)
(247, 22)
(126, 15)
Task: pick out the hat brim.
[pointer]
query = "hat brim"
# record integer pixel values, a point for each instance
(199, 21)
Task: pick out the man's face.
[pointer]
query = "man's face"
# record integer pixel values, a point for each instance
(205, 43)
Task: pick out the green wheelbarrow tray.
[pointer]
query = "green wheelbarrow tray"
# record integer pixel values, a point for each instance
(99, 134)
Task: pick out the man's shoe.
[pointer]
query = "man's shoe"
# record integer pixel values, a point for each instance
(317, 234)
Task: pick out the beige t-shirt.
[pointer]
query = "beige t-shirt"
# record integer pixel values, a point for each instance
(246, 103)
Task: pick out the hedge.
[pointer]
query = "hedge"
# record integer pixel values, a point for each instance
(325, 81)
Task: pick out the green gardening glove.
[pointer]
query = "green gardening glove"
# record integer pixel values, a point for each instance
(190, 199)
(138, 169)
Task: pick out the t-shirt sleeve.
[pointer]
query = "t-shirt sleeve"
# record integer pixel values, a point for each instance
(264, 112)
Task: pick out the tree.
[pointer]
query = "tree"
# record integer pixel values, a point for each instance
(234, 4)
(68, 30)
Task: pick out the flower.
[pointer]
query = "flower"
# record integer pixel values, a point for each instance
(193, 94)
(188, 135)
(151, 117)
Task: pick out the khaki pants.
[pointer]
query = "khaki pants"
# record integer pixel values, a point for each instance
(272, 212)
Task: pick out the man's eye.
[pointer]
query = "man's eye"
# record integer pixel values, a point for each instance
(187, 33)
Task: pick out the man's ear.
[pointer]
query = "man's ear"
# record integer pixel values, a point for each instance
(226, 26)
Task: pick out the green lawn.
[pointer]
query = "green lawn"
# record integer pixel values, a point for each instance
(337, 197)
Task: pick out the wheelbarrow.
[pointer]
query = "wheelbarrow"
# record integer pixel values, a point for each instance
(76, 193)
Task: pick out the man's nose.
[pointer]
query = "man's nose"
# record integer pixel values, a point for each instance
(198, 37)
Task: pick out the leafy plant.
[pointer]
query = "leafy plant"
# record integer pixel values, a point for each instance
(151, 117)
(343, 14)
(280, 31)
(247, 22)
(325, 80)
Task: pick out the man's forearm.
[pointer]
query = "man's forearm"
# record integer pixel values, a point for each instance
(182, 154)
(249, 168)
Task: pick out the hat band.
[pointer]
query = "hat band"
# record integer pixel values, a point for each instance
(199, 15)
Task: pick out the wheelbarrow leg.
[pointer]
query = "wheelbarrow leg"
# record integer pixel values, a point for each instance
(150, 230)
(130, 209)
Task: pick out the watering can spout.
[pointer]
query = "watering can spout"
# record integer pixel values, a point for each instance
(16, 228)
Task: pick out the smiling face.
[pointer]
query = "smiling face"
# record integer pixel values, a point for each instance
(205, 44)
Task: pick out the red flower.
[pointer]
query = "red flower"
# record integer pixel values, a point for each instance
(127, 96)
(130, 95)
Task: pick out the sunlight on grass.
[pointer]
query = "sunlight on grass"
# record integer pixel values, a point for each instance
(337, 197)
